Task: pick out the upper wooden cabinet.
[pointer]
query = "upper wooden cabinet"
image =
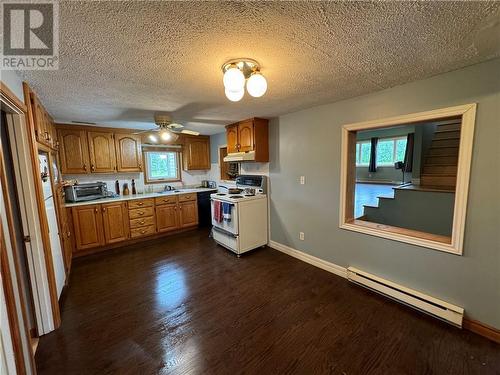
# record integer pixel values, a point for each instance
(196, 152)
(245, 136)
(128, 153)
(102, 152)
(92, 150)
(232, 138)
(249, 135)
(45, 132)
(73, 151)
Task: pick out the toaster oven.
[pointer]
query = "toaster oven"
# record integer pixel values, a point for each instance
(86, 192)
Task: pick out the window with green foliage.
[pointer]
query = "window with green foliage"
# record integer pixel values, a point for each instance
(389, 151)
(162, 166)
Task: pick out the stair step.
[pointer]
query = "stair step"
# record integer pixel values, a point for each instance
(445, 151)
(446, 142)
(447, 134)
(441, 159)
(453, 126)
(440, 169)
(438, 180)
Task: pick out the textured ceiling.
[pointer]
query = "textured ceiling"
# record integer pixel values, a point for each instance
(122, 61)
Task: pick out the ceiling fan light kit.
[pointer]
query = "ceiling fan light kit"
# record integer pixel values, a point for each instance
(237, 73)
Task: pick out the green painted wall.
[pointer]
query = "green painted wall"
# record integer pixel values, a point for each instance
(308, 143)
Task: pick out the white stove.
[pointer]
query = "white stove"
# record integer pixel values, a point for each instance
(242, 226)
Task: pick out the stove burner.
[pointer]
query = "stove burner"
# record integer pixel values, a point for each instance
(237, 196)
(220, 194)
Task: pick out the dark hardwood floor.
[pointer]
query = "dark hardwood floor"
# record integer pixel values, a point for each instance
(183, 305)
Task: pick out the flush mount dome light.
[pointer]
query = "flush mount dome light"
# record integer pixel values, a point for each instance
(236, 72)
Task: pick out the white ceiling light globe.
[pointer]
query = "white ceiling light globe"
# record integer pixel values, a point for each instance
(257, 85)
(235, 96)
(234, 80)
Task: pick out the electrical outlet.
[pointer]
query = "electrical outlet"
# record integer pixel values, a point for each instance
(302, 180)
(301, 236)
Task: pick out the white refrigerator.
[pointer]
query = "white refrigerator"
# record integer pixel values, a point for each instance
(50, 210)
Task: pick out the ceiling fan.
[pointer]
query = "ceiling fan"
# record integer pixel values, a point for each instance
(166, 131)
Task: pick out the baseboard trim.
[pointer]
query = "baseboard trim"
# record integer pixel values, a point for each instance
(468, 324)
(317, 262)
(482, 329)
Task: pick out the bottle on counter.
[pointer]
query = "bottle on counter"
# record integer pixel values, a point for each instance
(117, 187)
(133, 187)
(126, 191)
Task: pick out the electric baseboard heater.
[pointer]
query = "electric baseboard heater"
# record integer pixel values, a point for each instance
(430, 305)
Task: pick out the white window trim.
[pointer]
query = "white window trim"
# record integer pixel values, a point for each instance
(148, 180)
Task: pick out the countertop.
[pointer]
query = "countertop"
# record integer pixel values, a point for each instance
(140, 196)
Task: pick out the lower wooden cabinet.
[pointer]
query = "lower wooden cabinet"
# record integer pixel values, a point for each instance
(166, 217)
(98, 225)
(115, 220)
(87, 223)
(188, 214)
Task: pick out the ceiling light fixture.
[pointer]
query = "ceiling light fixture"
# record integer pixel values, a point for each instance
(236, 73)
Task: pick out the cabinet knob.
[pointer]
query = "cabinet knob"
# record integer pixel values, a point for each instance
(92, 167)
(104, 209)
(140, 213)
(141, 222)
(96, 210)
(140, 204)
(84, 167)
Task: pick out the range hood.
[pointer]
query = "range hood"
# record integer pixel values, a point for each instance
(240, 156)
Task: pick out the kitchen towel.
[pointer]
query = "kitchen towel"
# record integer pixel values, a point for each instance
(218, 211)
(226, 211)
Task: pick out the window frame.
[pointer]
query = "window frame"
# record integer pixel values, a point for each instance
(394, 139)
(453, 244)
(147, 150)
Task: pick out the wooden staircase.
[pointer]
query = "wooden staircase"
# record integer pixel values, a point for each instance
(441, 160)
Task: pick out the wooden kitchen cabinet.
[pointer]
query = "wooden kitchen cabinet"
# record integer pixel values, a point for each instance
(188, 214)
(232, 138)
(245, 136)
(88, 226)
(167, 217)
(45, 132)
(249, 135)
(101, 152)
(128, 153)
(73, 151)
(115, 222)
(196, 152)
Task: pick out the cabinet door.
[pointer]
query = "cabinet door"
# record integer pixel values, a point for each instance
(232, 138)
(128, 153)
(73, 151)
(87, 223)
(102, 152)
(38, 120)
(188, 214)
(197, 153)
(115, 222)
(166, 217)
(245, 136)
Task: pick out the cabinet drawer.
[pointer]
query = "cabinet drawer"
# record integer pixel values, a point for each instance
(166, 200)
(187, 197)
(144, 231)
(139, 203)
(142, 222)
(140, 212)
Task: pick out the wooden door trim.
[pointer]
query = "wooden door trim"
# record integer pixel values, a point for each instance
(49, 265)
(347, 180)
(22, 368)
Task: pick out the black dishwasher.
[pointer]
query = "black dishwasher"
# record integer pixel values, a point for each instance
(204, 214)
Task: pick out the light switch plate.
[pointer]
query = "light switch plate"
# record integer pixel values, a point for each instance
(302, 180)
(301, 236)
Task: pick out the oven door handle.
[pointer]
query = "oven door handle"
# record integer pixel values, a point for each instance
(227, 233)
